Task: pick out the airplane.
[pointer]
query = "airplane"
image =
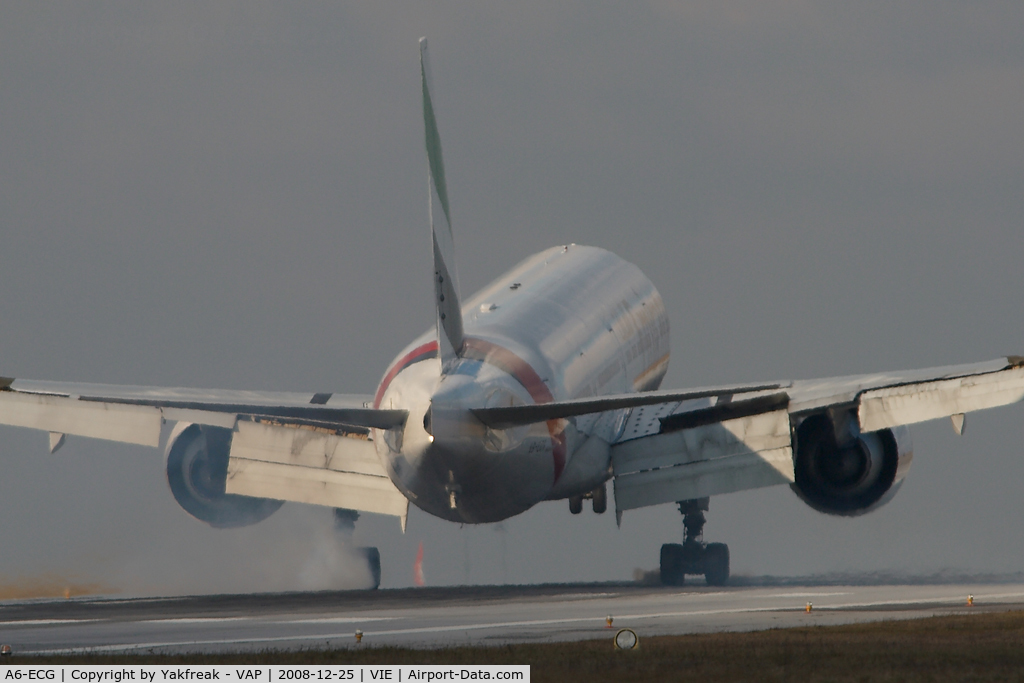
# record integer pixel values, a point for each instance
(544, 385)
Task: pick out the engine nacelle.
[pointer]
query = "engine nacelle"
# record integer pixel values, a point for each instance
(197, 469)
(840, 471)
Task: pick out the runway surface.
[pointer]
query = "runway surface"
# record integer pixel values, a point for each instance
(439, 617)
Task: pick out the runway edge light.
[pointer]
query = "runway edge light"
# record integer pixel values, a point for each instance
(626, 639)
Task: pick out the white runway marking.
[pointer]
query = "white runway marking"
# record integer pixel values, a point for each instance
(925, 601)
(195, 620)
(806, 595)
(426, 620)
(335, 620)
(44, 622)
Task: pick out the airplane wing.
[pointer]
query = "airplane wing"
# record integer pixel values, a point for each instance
(134, 414)
(680, 450)
(304, 447)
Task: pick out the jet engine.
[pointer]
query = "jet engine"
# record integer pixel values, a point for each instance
(197, 469)
(840, 471)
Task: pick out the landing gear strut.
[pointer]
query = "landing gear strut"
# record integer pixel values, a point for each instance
(694, 556)
(345, 524)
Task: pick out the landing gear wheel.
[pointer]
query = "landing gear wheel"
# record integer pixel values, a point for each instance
(372, 556)
(672, 564)
(599, 498)
(576, 505)
(716, 564)
(694, 556)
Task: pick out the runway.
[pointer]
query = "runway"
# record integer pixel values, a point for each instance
(441, 617)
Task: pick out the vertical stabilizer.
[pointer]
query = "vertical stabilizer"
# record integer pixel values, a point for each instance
(446, 287)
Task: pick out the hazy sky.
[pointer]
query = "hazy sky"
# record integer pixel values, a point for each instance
(233, 194)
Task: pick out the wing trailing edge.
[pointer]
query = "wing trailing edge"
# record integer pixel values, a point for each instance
(905, 404)
(684, 452)
(135, 414)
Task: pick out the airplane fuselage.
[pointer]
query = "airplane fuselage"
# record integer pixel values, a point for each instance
(570, 322)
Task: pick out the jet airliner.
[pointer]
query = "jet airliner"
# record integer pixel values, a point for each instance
(544, 385)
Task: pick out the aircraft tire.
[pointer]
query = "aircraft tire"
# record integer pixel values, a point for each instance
(600, 499)
(672, 565)
(716, 564)
(372, 556)
(576, 505)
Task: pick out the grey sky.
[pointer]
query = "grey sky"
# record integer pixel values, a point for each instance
(234, 195)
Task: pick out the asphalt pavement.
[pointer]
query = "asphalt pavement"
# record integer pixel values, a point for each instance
(473, 615)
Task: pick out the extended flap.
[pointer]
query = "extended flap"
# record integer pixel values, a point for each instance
(733, 455)
(309, 465)
(910, 403)
(95, 419)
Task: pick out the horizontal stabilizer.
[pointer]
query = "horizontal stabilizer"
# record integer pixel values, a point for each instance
(513, 416)
(368, 418)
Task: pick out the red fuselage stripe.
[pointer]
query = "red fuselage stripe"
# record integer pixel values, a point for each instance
(428, 350)
(501, 358)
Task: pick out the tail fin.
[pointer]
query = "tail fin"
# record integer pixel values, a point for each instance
(446, 286)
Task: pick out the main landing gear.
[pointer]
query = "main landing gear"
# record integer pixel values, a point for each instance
(598, 497)
(694, 556)
(345, 524)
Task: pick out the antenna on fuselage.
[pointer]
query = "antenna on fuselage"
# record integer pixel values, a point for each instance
(446, 288)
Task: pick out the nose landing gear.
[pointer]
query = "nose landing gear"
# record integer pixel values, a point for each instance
(694, 556)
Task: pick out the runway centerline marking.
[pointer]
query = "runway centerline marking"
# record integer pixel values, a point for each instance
(194, 620)
(802, 595)
(334, 620)
(46, 622)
